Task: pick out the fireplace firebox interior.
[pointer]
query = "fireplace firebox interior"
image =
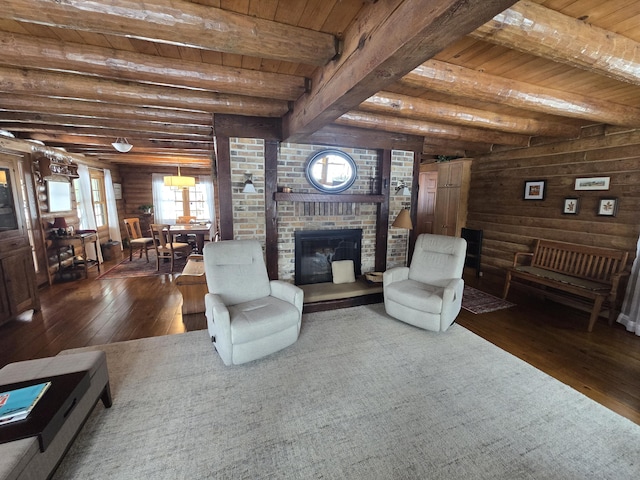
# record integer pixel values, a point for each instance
(315, 250)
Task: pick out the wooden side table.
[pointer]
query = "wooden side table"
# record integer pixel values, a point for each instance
(81, 239)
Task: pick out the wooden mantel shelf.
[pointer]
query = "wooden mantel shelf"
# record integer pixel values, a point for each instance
(327, 197)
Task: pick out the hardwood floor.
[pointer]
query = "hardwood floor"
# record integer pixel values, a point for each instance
(603, 364)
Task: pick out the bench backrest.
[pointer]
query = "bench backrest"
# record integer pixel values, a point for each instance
(593, 263)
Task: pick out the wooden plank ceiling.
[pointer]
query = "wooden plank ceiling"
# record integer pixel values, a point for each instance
(467, 76)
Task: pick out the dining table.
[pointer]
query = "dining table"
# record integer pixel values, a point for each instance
(199, 230)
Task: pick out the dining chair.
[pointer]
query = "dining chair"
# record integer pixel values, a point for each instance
(135, 238)
(165, 246)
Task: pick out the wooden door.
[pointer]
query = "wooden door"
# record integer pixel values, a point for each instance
(427, 191)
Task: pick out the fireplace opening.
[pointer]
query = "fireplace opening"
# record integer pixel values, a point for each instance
(315, 250)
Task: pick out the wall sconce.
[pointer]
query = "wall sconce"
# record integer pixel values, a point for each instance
(248, 183)
(403, 189)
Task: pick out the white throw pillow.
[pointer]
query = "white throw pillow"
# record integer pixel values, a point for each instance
(343, 271)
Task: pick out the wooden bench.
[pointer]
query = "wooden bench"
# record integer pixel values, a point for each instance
(588, 272)
(192, 284)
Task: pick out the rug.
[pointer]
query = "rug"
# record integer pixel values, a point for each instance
(139, 267)
(477, 301)
(358, 396)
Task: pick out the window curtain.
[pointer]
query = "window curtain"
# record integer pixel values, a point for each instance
(163, 208)
(112, 209)
(208, 183)
(630, 314)
(85, 208)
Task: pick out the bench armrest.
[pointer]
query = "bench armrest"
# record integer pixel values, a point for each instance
(615, 282)
(520, 254)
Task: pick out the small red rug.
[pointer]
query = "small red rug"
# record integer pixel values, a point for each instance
(138, 267)
(477, 301)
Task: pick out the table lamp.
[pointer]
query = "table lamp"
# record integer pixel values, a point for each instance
(61, 224)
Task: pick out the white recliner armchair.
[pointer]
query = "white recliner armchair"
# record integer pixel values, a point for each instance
(248, 316)
(428, 293)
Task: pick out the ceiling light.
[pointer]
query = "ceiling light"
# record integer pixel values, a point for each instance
(122, 145)
(179, 181)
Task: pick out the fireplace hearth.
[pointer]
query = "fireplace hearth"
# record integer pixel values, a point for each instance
(315, 250)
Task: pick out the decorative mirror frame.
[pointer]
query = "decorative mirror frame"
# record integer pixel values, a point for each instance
(336, 188)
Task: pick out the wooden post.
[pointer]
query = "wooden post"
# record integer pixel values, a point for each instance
(270, 206)
(225, 192)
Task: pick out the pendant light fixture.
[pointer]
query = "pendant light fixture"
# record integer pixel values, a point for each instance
(122, 145)
(179, 181)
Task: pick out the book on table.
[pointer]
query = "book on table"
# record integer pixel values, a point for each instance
(17, 404)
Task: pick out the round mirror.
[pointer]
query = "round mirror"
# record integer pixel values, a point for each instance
(331, 171)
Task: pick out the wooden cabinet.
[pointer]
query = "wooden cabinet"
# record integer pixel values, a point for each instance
(451, 198)
(18, 290)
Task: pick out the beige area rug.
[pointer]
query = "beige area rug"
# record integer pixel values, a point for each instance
(359, 396)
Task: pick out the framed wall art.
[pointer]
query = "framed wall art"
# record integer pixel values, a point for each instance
(593, 183)
(571, 206)
(608, 207)
(534, 189)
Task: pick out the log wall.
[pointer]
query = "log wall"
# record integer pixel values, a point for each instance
(510, 223)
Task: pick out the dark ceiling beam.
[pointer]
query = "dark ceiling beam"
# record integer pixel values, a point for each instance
(382, 45)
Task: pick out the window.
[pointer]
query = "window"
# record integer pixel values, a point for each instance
(99, 199)
(187, 202)
(194, 201)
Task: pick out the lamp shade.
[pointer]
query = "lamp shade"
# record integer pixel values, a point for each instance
(59, 222)
(178, 181)
(249, 187)
(403, 220)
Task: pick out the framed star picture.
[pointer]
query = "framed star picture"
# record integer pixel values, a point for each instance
(608, 207)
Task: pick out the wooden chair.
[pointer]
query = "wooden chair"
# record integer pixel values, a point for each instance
(165, 246)
(134, 235)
